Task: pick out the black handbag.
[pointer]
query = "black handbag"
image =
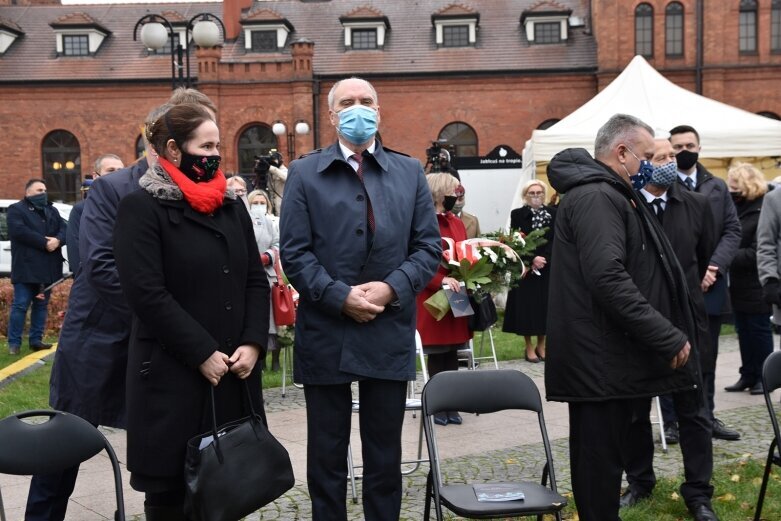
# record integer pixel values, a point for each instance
(485, 311)
(235, 470)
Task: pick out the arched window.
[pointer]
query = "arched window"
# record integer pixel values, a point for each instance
(747, 25)
(256, 140)
(769, 114)
(644, 30)
(775, 26)
(61, 165)
(548, 123)
(459, 137)
(673, 29)
(140, 150)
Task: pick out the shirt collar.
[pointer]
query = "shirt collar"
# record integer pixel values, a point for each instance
(347, 153)
(692, 176)
(649, 197)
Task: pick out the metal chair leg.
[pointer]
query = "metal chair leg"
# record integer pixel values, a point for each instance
(2, 507)
(765, 477)
(660, 421)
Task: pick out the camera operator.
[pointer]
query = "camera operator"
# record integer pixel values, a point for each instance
(270, 176)
(438, 161)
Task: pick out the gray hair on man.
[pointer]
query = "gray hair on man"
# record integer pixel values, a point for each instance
(620, 127)
(333, 89)
(100, 159)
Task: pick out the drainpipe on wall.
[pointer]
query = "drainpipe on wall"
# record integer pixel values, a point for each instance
(316, 112)
(700, 48)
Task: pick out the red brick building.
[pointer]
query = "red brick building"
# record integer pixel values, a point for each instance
(74, 84)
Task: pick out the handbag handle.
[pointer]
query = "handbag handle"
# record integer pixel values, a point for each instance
(215, 438)
(278, 270)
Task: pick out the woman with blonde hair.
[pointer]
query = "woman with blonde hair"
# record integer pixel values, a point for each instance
(442, 339)
(747, 186)
(527, 305)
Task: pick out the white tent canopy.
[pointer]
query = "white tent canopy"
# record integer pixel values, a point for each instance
(725, 131)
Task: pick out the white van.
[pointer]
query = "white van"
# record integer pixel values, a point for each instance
(5, 241)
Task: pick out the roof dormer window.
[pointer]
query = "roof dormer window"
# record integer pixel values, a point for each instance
(265, 30)
(9, 32)
(546, 23)
(365, 28)
(455, 26)
(78, 34)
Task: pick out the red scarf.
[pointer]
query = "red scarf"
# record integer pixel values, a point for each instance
(203, 197)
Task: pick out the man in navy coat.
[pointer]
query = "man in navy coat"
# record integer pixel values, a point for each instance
(359, 240)
(37, 233)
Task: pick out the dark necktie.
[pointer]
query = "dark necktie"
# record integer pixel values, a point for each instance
(358, 158)
(689, 183)
(658, 208)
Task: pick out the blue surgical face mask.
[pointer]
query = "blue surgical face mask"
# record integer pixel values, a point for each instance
(641, 178)
(357, 124)
(664, 176)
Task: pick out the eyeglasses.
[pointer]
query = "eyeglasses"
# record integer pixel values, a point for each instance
(533, 194)
(240, 191)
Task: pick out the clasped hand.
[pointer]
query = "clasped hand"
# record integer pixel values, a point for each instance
(241, 363)
(367, 300)
(682, 357)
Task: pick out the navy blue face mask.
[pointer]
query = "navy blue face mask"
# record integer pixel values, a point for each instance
(39, 201)
(641, 178)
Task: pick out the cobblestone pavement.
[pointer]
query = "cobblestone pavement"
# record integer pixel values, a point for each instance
(525, 461)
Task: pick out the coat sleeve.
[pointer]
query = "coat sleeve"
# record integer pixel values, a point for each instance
(425, 248)
(728, 243)
(96, 249)
(18, 231)
(72, 237)
(601, 246)
(139, 261)
(62, 226)
(768, 235)
(746, 255)
(301, 265)
(706, 242)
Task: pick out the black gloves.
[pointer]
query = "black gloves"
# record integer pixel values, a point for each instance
(770, 292)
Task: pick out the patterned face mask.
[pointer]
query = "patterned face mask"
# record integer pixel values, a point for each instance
(664, 175)
(199, 168)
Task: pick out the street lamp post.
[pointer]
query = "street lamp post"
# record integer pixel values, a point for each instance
(301, 128)
(156, 30)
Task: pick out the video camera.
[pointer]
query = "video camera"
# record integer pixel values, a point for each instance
(435, 159)
(262, 166)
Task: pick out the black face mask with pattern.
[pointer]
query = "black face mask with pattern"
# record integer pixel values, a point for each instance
(199, 168)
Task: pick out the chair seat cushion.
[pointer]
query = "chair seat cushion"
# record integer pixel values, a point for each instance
(461, 499)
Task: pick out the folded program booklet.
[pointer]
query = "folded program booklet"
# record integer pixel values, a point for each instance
(459, 302)
(498, 492)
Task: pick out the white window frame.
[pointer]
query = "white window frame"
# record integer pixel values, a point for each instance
(377, 25)
(7, 38)
(531, 20)
(94, 37)
(471, 21)
(281, 29)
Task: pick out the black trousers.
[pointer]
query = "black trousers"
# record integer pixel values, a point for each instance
(709, 363)
(328, 414)
(694, 423)
(48, 497)
(597, 433)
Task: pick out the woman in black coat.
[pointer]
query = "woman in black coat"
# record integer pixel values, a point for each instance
(748, 187)
(527, 304)
(190, 269)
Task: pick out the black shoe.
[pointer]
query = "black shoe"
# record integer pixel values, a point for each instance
(741, 385)
(454, 418)
(671, 433)
(631, 497)
(532, 360)
(39, 346)
(721, 432)
(440, 418)
(703, 513)
(13, 350)
(757, 389)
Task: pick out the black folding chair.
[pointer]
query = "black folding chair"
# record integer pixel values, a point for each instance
(485, 392)
(771, 380)
(58, 443)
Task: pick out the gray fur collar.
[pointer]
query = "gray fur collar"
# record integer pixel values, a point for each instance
(157, 182)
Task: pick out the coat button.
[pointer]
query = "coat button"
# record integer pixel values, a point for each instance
(228, 306)
(225, 269)
(359, 198)
(359, 232)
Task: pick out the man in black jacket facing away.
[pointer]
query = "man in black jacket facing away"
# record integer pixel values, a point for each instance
(619, 315)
